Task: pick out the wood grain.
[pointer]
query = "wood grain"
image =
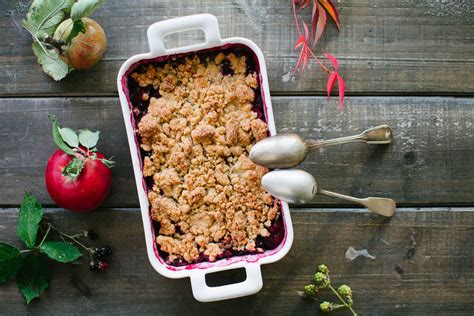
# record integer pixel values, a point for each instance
(430, 162)
(384, 47)
(435, 278)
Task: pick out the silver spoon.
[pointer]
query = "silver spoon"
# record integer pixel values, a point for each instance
(299, 187)
(289, 150)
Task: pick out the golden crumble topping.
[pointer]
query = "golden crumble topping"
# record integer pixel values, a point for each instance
(206, 192)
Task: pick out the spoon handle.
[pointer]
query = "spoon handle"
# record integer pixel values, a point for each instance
(382, 206)
(377, 135)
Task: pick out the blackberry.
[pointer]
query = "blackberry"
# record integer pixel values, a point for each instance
(226, 67)
(103, 265)
(90, 234)
(94, 265)
(102, 252)
(98, 265)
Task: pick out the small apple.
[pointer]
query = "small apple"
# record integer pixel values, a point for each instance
(86, 48)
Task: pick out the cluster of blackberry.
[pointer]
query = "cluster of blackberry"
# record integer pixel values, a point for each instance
(98, 254)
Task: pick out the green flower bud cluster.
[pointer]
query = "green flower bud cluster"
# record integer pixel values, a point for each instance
(323, 269)
(310, 290)
(326, 306)
(322, 281)
(346, 292)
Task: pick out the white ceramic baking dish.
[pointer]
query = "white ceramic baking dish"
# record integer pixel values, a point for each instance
(197, 272)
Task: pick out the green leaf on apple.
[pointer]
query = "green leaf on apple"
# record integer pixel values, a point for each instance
(83, 8)
(69, 136)
(58, 139)
(50, 61)
(88, 138)
(77, 27)
(45, 15)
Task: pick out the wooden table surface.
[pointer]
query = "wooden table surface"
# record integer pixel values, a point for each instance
(406, 63)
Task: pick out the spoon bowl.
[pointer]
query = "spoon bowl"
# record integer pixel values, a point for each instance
(299, 187)
(289, 150)
(279, 151)
(290, 185)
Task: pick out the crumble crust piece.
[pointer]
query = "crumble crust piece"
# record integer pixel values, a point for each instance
(206, 192)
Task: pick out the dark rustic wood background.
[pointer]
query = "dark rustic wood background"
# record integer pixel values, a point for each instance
(406, 63)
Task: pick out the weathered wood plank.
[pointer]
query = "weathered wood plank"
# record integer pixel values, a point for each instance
(437, 278)
(385, 47)
(431, 161)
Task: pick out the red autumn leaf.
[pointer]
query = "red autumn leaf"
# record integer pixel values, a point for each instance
(331, 81)
(306, 32)
(320, 24)
(327, 4)
(314, 18)
(304, 54)
(333, 60)
(342, 90)
(300, 42)
(302, 59)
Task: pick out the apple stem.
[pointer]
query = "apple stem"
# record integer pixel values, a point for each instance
(55, 43)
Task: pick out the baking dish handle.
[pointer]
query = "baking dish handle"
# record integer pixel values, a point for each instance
(206, 22)
(204, 293)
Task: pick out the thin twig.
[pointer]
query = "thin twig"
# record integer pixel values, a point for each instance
(73, 238)
(319, 62)
(45, 235)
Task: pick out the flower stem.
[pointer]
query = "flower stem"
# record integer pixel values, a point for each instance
(337, 306)
(296, 17)
(45, 235)
(73, 238)
(319, 62)
(343, 300)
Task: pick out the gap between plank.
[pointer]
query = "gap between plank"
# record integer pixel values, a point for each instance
(466, 95)
(292, 209)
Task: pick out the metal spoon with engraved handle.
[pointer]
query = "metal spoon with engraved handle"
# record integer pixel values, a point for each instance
(298, 186)
(289, 150)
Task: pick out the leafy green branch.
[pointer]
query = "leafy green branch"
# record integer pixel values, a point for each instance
(30, 266)
(42, 20)
(82, 147)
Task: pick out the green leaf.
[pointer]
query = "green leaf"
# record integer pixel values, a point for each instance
(77, 27)
(45, 15)
(34, 276)
(60, 251)
(69, 136)
(74, 168)
(57, 137)
(109, 163)
(87, 138)
(10, 261)
(83, 8)
(8, 251)
(50, 61)
(30, 216)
